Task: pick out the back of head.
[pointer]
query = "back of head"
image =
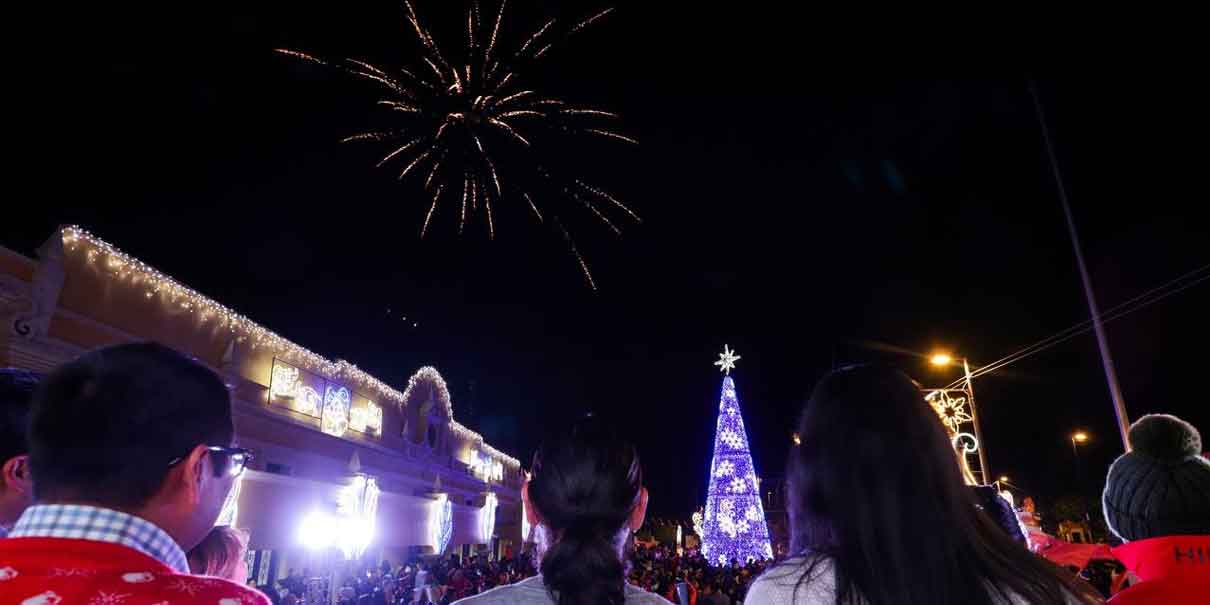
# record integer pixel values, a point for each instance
(1162, 486)
(874, 488)
(584, 486)
(105, 427)
(16, 391)
(220, 554)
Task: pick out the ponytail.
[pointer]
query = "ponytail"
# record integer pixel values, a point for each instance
(582, 567)
(584, 486)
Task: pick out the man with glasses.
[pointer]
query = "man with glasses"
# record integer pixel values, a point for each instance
(132, 453)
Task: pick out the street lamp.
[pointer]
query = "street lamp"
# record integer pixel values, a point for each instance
(943, 359)
(1078, 438)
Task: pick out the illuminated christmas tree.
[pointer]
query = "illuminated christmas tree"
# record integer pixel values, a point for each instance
(735, 526)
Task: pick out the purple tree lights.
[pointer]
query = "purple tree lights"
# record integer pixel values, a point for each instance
(734, 526)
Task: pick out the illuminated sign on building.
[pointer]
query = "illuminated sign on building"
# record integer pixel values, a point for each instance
(336, 407)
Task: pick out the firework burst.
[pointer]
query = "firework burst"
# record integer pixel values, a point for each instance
(471, 135)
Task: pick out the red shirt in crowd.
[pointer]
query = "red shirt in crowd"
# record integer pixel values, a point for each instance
(1172, 569)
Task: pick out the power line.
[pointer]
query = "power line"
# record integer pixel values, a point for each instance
(1150, 297)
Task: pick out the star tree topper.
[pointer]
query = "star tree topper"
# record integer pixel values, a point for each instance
(726, 361)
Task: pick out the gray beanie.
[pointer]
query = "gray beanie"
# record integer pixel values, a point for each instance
(1162, 486)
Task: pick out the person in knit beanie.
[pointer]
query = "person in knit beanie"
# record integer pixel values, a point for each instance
(1157, 500)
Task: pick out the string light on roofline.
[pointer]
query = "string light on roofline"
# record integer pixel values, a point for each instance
(156, 284)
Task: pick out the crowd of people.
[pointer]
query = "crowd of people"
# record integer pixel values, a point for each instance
(687, 578)
(112, 479)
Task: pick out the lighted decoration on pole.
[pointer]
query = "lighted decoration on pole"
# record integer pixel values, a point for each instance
(487, 518)
(952, 408)
(352, 528)
(956, 407)
(441, 522)
(734, 525)
(525, 527)
(230, 512)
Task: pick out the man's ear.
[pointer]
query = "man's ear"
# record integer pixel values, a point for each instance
(187, 477)
(531, 512)
(15, 475)
(639, 513)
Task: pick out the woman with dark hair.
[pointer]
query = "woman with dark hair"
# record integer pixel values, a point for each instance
(584, 497)
(879, 513)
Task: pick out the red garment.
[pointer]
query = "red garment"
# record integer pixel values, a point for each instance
(54, 571)
(1172, 569)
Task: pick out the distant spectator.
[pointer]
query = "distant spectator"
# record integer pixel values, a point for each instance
(1157, 500)
(711, 595)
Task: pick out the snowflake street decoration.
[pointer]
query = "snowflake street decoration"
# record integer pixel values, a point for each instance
(952, 410)
(734, 521)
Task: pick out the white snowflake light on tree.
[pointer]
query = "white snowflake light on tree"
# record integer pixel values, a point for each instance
(725, 468)
(752, 514)
(731, 438)
(739, 485)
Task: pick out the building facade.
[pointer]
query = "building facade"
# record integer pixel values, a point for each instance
(345, 464)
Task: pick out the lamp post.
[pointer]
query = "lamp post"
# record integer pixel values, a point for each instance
(1078, 438)
(942, 359)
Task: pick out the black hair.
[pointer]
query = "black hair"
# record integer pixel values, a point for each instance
(16, 392)
(105, 427)
(875, 491)
(584, 485)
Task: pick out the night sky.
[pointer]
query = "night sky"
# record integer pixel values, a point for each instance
(815, 192)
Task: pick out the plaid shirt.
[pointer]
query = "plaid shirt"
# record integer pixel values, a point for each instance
(79, 522)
